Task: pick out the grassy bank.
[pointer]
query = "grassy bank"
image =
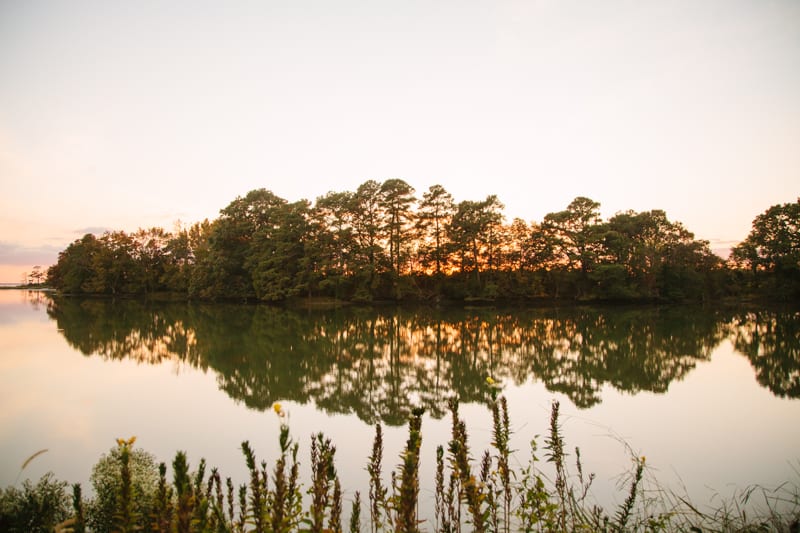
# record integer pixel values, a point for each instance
(549, 491)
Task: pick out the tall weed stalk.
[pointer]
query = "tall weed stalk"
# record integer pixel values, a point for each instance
(496, 498)
(323, 478)
(377, 491)
(470, 490)
(407, 494)
(501, 434)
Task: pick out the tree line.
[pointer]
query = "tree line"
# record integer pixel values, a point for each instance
(380, 242)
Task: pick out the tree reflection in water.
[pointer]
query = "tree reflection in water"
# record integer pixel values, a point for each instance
(771, 340)
(379, 363)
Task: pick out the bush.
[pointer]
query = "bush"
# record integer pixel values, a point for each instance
(34, 508)
(107, 481)
(486, 495)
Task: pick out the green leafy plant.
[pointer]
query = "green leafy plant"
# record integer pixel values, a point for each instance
(125, 481)
(488, 496)
(35, 507)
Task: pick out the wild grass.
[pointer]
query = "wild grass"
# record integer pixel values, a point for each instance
(481, 495)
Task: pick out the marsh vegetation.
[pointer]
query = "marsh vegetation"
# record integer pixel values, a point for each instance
(481, 492)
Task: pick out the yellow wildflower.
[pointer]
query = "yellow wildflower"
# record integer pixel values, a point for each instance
(277, 408)
(123, 442)
(489, 380)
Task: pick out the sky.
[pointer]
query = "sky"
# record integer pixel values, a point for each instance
(118, 115)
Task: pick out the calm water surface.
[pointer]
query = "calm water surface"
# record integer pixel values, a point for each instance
(709, 396)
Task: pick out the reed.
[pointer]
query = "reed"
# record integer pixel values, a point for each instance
(28, 461)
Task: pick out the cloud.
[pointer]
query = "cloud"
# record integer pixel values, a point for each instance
(18, 254)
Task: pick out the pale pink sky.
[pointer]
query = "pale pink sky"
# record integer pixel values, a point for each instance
(119, 115)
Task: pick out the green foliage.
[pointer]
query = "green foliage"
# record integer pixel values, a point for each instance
(407, 492)
(162, 507)
(276, 257)
(79, 525)
(355, 514)
(501, 475)
(576, 231)
(435, 212)
(554, 444)
(473, 234)
(377, 491)
(368, 229)
(624, 512)
(324, 491)
(285, 500)
(498, 498)
(76, 266)
(184, 494)
(396, 198)
(771, 251)
(774, 241)
(611, 282)
(34, 508)
(445, 504)
(536, 511)
(125, 483)
(275, 507)
(371, 244)
(470, 489)
(228, 265)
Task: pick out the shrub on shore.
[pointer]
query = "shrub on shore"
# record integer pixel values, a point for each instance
(485, 495)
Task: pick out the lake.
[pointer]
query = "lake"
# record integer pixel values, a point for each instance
(709, 396)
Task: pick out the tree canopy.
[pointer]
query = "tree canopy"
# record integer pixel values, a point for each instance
(771, 250)
(381, 242)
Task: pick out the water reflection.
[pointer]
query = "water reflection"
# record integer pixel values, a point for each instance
(378, 364)
(771, 340)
